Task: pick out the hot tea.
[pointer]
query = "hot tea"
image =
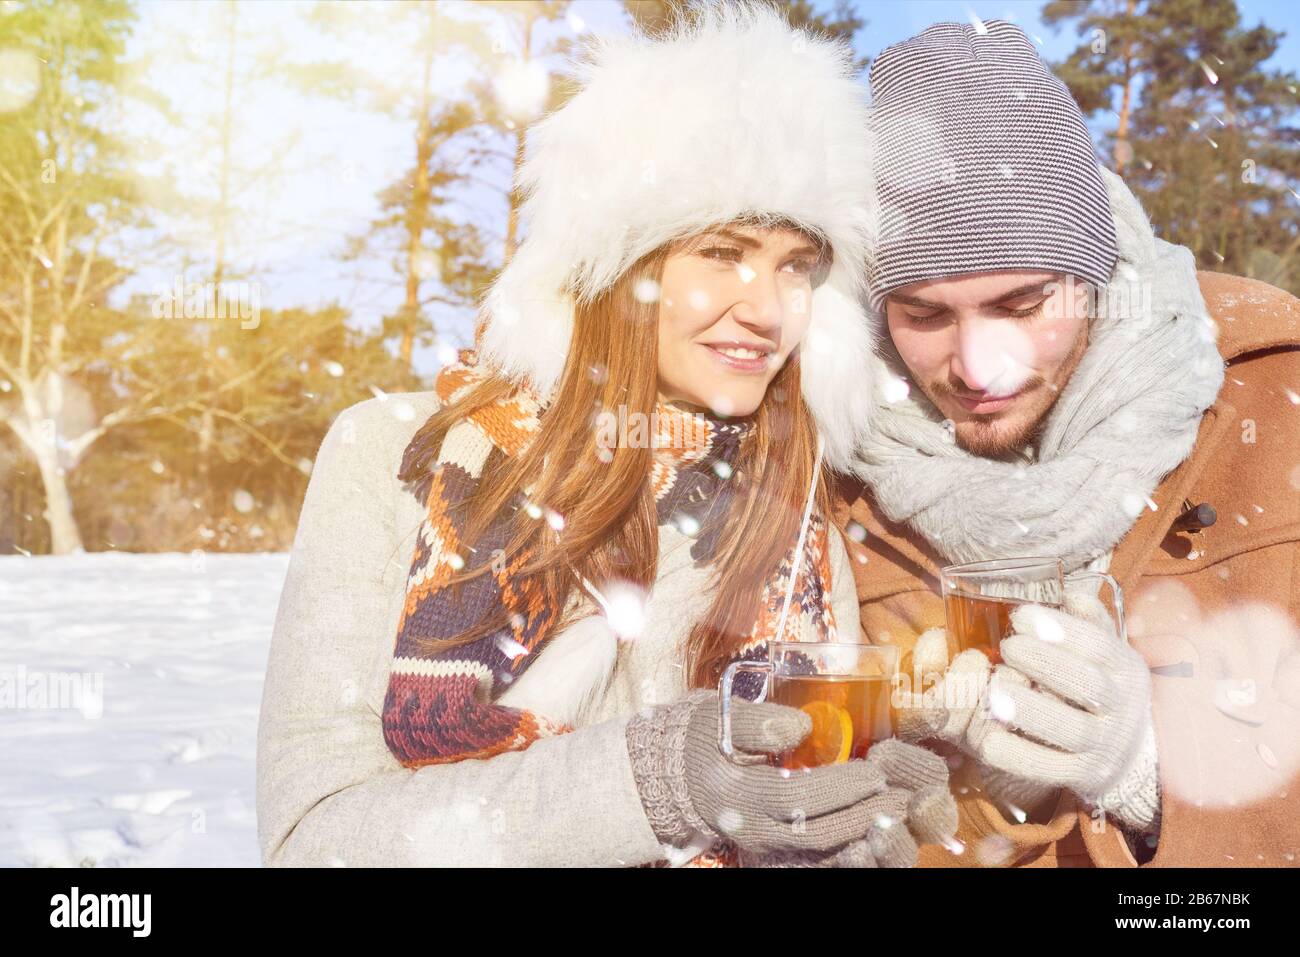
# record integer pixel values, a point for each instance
(980, 597)
(846, 688)
(979, 621)
(849, 713)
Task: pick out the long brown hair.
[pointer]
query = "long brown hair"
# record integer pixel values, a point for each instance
(610, 529)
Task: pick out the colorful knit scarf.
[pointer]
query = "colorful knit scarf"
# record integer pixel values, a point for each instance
(439, 706)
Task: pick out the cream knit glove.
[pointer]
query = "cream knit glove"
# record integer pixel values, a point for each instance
(946, 696)
(1086, 725)
(1135, 800)
(954, 706)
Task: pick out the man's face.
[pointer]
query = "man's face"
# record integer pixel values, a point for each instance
(991, 350)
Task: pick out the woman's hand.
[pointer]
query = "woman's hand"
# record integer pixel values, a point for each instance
(914, 808)
(877, 808)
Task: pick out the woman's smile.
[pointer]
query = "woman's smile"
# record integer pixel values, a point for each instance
(748, 359)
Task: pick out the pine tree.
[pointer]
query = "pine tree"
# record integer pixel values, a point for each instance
(435, 257)
(1205, 132)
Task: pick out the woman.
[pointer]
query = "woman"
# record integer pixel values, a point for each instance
(600, 510)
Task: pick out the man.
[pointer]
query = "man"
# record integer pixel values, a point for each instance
(1056, 381)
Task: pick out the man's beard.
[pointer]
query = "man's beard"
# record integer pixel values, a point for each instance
(997, 437)
(990, 438)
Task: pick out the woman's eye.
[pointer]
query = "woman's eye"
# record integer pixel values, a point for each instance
(923, 319)
(804, 267)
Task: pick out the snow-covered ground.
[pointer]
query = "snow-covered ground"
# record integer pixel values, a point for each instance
(174, 648)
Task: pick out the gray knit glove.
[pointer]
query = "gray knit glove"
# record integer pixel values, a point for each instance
(915, 808)
(694, 796)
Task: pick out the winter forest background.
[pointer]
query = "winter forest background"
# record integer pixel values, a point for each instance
(340, 171)
(224, 222)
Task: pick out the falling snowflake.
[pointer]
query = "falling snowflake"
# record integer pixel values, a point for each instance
(687, 525)
(994, 851)
(646, 291)
(510, 648)
(1002, 707)
(895, 389)
(624, 606)
(522, 88)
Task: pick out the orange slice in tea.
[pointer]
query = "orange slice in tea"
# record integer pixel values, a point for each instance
(831, 736)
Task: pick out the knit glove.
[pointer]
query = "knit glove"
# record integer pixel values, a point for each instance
(953, 707)
(692, 793)
(947, 697)
(1087, 726)
(1085, 721)
(915, 808)
(1070, 707)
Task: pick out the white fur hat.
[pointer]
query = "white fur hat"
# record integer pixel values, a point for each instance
(737, 113)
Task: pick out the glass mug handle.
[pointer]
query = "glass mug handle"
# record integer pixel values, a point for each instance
(1119, 597)
(724, 710)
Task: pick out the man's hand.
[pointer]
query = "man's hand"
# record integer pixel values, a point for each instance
(948, 696)
(1072, 709)
(1069, 708)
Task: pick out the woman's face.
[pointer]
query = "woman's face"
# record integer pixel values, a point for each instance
(733, 303)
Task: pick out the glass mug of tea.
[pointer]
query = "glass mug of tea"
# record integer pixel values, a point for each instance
(979, 598)
(846, 688)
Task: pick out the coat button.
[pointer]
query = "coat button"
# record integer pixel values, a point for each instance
(1195, 518)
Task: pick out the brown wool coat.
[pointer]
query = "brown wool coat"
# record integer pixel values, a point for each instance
(1214, 612)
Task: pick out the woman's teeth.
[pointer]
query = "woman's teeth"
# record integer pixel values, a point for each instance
(737, 353)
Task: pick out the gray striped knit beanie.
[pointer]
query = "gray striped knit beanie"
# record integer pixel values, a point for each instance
(982, 162)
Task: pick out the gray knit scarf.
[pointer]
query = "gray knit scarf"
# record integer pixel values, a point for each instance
(1126, 418)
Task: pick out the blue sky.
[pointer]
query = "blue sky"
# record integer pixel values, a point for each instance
(890, 22)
